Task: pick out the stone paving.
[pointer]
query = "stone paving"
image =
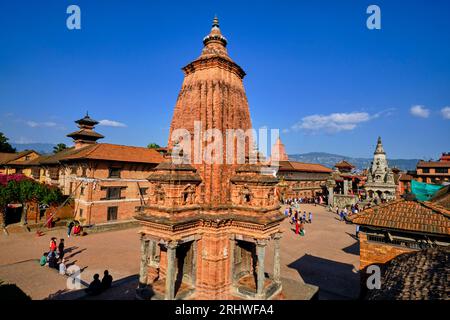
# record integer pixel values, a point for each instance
(327, 256)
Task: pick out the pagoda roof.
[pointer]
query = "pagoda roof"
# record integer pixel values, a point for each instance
(87, 121)
(85, 133)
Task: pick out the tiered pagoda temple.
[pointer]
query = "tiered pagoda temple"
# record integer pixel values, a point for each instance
(205, 228)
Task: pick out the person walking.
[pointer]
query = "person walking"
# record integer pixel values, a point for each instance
(297, 227)
(310, 217)
(304, 217)
(302, 229)
(61, 249)
(69, 228)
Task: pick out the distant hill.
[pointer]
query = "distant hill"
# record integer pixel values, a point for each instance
(42, 148)
(329, 160)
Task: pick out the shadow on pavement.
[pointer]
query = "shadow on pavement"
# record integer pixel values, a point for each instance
(121, 289)
(352, 249)
(336, 280)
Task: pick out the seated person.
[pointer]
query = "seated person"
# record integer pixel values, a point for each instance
(43, 260)
(52, 260)
(95, 287)
(107, 280)
(77, 230)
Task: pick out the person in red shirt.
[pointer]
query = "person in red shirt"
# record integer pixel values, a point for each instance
(53, 245)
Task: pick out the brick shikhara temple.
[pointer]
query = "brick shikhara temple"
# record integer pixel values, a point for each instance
(205, 227)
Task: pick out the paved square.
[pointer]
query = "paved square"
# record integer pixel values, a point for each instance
(327, 256)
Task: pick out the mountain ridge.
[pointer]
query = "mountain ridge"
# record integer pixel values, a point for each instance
(330, 159)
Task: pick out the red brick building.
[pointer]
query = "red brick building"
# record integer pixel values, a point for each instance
(302, 180)
(107, 181)
(436, 172)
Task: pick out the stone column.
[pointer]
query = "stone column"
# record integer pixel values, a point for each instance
(276, 258)
(170, 271)
(330, 196)
(261, 253)
(232, 248)
(144, 262)
(345, 183)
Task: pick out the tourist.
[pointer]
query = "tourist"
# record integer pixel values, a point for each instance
(286, 212)
(43, 260)
(53, 244)
(302, 229)
(95, 287)
(107, 280)
(62, 267)
(52, 260)
(310, 217)
(341, 215)
(77, 230)
(69, 228)
(304, 217)
(61, 248)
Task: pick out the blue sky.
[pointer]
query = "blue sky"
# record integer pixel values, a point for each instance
(314, 70)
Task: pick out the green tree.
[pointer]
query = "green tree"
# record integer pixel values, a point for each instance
(59, 147)
(153, 146)
(4, 144)
(25, 191)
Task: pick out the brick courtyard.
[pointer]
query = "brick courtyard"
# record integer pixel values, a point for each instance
(327, 256)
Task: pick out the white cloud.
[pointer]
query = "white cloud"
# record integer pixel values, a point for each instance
(111, 123)
(420, 111)
(334, 122)
(34, 124)
(445, 112)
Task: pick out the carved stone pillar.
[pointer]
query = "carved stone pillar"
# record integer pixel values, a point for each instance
(170, 271)
(345, 183)
(144, 262)
(261, 254)
(232, 248)
(276, 258)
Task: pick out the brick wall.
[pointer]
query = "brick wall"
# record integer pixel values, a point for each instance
(377, 253)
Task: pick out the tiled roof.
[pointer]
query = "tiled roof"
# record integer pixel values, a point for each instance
(55, 158)
(433, 164)
(408, 216)
(6, 158)
(301, 166)
(420, 275)
(442, 198)
(405, 177)
(344, 164)
(114, 152)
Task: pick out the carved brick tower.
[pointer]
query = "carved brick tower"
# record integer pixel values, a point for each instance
(205, 228)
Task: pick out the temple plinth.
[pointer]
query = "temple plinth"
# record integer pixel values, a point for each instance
(205, 228)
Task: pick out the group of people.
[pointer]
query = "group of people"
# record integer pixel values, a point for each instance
(298, 220)
(296, 201)
(75, 228)
(54, 258)
(343, 213)
(96, 286)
